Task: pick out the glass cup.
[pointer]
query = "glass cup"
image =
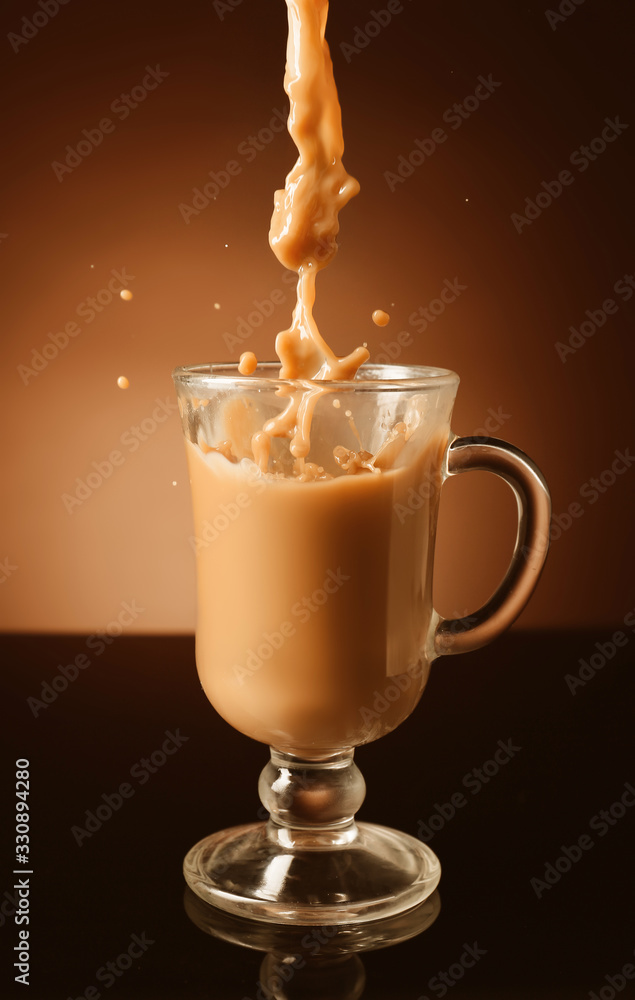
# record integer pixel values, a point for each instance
(316, 629)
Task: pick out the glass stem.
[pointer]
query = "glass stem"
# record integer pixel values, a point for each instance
(321, 797)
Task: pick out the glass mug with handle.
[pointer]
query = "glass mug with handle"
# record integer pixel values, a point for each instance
(316, 628)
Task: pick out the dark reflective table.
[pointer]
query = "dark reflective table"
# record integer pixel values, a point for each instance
(517, 765)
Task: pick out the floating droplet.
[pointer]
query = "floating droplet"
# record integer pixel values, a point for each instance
(336, 404)
(380, 318)
(248, 363)
(123, 382)
(217, 305)
(125, 294)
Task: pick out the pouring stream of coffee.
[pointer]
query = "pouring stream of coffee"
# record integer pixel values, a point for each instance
(305, 220)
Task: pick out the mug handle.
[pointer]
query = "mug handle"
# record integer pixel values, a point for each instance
(459, 635)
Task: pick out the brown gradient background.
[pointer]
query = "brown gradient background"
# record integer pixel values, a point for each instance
(120, 208)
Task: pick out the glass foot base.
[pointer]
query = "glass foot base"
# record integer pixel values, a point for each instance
(272, 873)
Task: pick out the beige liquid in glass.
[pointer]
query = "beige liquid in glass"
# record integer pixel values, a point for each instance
(314, 599)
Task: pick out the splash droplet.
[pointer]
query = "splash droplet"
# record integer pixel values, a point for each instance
(217, 305)
(125, 294)
(123, 382)
(380, 318)
(248, 363)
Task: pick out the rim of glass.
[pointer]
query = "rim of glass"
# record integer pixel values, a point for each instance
(374, 377)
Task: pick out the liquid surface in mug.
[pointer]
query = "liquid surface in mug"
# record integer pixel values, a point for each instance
(314, 598)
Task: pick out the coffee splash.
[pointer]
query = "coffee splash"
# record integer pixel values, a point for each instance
(305, 222)
(303, 235)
